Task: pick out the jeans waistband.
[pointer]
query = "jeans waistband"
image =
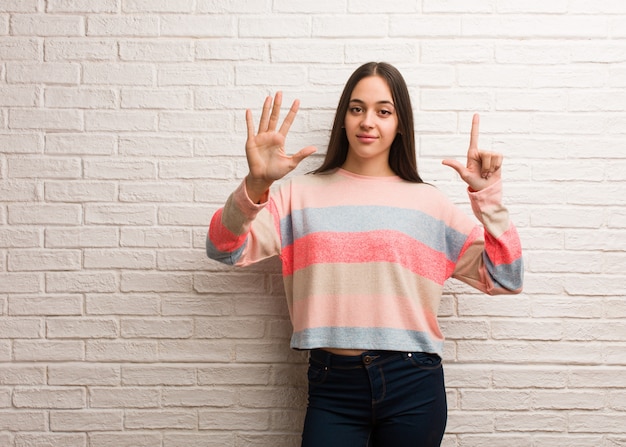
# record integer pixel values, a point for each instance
(355, 361)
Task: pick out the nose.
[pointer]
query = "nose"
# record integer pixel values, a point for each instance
(368, 120)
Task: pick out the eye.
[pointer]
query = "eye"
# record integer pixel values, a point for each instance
(385, 112)
(356, 109)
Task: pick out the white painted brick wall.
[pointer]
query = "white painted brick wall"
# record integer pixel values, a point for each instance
(122, 130)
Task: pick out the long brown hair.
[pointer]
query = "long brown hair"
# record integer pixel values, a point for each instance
(402, 154)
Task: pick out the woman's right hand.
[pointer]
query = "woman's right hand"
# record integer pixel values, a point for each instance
(265, 150)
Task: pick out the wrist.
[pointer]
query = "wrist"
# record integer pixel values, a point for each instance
(256, 189)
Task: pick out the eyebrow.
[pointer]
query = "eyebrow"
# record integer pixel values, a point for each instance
(360, 101)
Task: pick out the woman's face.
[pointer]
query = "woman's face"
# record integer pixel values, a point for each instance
(371, 125)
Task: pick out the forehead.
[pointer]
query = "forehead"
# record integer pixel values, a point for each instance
(371, 89)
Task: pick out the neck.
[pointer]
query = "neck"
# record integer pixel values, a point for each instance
(369, 169)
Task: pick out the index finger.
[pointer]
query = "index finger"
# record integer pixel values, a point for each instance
(474, 132)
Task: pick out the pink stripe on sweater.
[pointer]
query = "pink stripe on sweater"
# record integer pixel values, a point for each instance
(371, 246)
(221, 237)
(364, 312)
(505, 249)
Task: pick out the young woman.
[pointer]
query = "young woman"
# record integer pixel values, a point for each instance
(366, 247)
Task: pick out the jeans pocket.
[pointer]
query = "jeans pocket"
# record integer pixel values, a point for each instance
(317, 373)
(424, 360)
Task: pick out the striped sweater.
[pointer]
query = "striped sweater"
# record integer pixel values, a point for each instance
(365, 259)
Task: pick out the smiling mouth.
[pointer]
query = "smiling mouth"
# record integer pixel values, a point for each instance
(366, 138)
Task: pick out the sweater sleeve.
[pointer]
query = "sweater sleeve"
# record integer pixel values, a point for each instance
(242, 233)
(491, 259)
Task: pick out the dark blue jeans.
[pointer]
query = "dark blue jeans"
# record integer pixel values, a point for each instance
(377, 399)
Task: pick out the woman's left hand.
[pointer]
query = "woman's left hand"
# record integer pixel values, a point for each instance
(483, 167)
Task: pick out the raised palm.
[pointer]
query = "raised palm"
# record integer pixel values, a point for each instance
(265, 149)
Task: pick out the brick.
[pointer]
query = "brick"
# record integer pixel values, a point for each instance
(124, 439)
(82, 328)
(155, 282)
(120, 214)
(198, 169)
(134, 6)
(45, 305)
(229, 420)
(156, 146)
(22, 375)
(156, 192)
(121, 351)
(85, 420)
(44, 167)
(160, 419)
(293, 51)
(241, 6)
(84, 236)
(156, 51)
(103, 6)
(158, 375)
(83, 374)
(76, 49)
(118, 259)
(20, 283)
(157, 99)
(6, 354)
(22, 328)
(198, 397)
(19, 6)
(50, 398)
(50, 439)
(92, 144)
(124, 397)
(40, 260)
(54, 351)
(269, 397)
(81, 282)
(114, 169)
(568, 400)
(19, 49)
(19, 238)
(121, 304)
(22, 143)
(172, 439)
(285, 76)
(80, 191)
(135, 25)
(47, 25)
(131, 121)
(193, 305)
(198, 25)
(275, 26)
(18, 96)
(33, 421)
(162, 328)
(495, 440)
(231, 328)
(118, 74)
(155, 237)
(83, 98)
(538, 26)
(604, 422)
(226, 49)
(53, 120)
(194, 351)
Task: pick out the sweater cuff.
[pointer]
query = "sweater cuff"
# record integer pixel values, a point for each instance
(245, 205)
(486, 198)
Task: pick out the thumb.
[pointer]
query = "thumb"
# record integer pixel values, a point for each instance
(303, 153)
(454, 164)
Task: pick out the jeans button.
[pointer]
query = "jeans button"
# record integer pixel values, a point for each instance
(367, 359)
